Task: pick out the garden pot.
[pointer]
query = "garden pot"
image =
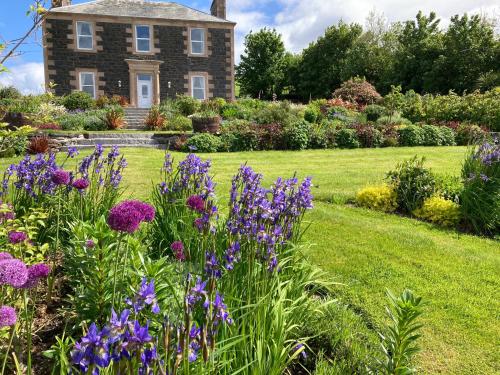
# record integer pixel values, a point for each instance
(206, 125)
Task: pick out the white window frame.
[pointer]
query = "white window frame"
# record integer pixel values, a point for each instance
(91, 36)
(93, 82)
(137, 38)
(204, 88)
(202, 41)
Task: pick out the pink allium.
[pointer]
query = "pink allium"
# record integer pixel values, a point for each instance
(17, 237)
(13, 272)
(196, 203)
(177, 248)
(4, 256)
(35, 273)
(81, 184)
(8, 316)
(61, 177)
(128, 215)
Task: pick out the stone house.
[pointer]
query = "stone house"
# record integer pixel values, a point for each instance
(142, 50)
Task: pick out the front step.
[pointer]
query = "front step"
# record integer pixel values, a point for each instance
(135, 118)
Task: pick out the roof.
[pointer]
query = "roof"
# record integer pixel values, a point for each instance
(139, 9)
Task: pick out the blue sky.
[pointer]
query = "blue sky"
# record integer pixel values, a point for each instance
(299, 21)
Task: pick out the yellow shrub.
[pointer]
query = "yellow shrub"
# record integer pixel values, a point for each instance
(381, 198)
(440, 211)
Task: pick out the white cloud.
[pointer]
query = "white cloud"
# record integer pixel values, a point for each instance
(26, 77)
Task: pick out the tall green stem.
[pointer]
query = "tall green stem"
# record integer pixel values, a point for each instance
(116, 268)
(11, 338)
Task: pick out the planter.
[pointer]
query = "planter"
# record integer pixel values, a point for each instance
(206, 125)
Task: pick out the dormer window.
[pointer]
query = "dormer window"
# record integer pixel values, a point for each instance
(85, 36)
(143, 38)
(197, 41)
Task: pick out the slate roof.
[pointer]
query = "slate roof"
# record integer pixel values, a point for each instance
(140, 9)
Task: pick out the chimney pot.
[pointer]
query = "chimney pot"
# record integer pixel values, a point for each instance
(60, 3)
(218, 8)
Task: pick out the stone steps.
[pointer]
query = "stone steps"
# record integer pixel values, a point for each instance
(135, 118)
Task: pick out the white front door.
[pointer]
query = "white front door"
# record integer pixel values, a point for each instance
(144, 90)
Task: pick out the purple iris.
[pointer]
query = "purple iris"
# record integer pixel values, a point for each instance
(145, 296)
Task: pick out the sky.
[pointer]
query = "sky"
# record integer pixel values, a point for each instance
(299, 21)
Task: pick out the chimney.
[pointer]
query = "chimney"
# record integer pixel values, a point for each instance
(60, 3)
(218, 8)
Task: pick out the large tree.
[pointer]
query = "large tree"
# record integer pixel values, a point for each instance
(262, 67)
(319, 72)
(420, 44)
(470, 50)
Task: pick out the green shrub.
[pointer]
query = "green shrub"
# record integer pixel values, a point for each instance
(78, 100)
(213, 104)
(449, 187)
(239, 135)
(412, 182)
(373, 112)
(318, 138)
(411, 135)
(9, 92)
(297, 135)
(447, 136)
(380, 198)
(275, 113)
(203, 142)
(468, 134)
(480, 199)
(74, 122)
(312, 114)
(187, 105)
(94, 120)
(347, 138)
(180, 123)
(439, 210)
(432, 135)
(395, 119)
(204, 115)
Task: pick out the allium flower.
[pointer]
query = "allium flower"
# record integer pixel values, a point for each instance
(8, 316)
(17, 237)
(61, 177)
(4, 256)
(35, 274)
(177, 248)
(7, 212)
(89, 244)
(81, 184)
(13, 272)
(128, 215)
(196, 203)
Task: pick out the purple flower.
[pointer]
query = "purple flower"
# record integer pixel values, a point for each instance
(17, 237)
(300, 347)
(119, 324)
(81, 184)
(177, 248)
(5, 256)
(92, 349)
(128, 215)
(13, 272)
(72, 152)
(145, 296)
(35, 274)
(89, 244)
(61, 177)
(219, 311)
(8, 316)
(196, 203)
(212, 268)
(6, 212)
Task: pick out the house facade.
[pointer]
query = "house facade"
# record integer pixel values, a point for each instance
(142, 50)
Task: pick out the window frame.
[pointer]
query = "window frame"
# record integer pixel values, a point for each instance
(204, 88)
(150, 39)
(81, 85)
(203, 41)
(91, 36)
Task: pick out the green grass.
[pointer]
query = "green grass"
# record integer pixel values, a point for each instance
(458, 275)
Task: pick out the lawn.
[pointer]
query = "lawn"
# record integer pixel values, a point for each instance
(458, 275)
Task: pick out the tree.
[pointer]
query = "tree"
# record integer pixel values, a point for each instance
(420, 44)
(261, 70)
(320, 68)
(470, 51)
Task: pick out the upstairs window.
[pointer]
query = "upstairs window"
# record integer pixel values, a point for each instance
(198, 85)
(85, 35)
(198, 41)
(87, 83)
(143, 38)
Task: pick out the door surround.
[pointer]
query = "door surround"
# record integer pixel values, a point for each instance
(136, 67)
